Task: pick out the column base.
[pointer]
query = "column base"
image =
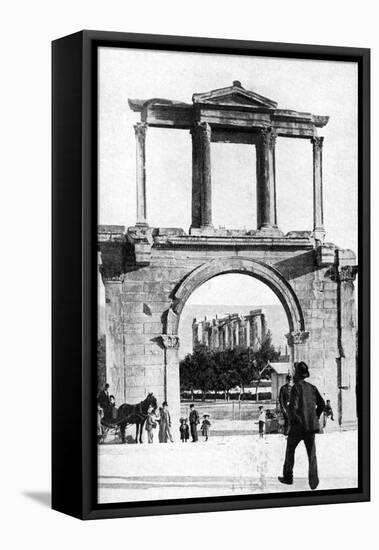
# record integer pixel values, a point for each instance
(203, 230)
(319, 234)
(268, 230)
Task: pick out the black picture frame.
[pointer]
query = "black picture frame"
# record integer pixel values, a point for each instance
(74, 271)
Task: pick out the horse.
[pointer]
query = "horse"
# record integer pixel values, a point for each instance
(135, 414)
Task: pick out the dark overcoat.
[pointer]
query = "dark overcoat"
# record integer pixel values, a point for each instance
(305, 408)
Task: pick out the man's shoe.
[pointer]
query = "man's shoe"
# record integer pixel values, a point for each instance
(285, 481)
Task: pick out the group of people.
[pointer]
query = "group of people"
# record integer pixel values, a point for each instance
(163, 419)
(107, 412)
(300, 402)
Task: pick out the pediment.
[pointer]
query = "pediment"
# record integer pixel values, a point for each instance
(234, 95)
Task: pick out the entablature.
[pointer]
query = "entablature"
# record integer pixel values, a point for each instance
(231, 107)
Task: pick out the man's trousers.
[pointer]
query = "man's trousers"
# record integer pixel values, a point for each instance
(293, 440)
(193, 431)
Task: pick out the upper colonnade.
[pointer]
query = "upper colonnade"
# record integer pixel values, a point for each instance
(230, 115)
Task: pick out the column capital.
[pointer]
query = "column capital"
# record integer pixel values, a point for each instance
(317, 141)
(110, 276)
(348, 273)
(268, 136)
(297, 337)
(140, 129)
(170, 341)
(205, 128)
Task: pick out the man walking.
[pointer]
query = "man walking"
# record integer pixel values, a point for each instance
(194, 421)
(284, 401)
(305, 408)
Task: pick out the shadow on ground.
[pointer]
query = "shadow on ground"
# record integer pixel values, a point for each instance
(42, 497)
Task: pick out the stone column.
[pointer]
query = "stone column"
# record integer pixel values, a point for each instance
(172, 381)
(195, 333)
(196, 176)
(226, 336)
(215, 334)
(266, 189)
(263, 325)
(201, 176)
(248, 332)
(236, 329)
(206, 187)
(242, 332)
(254, 333)
(346, 362)
(318, 209)
(140, 131)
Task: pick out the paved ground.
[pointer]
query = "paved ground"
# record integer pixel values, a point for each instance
(225, 465)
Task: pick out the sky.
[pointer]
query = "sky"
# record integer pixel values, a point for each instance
(319, 87)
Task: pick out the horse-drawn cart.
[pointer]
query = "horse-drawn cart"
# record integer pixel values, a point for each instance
(125, 415)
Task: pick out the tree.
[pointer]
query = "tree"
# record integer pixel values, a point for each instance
(225, 370)
(197, 371)
(262, 357)
(207, 370)
(243, 367)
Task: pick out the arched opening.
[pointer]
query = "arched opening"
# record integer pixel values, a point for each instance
(259, 309)
(238, 264)
(233, 294)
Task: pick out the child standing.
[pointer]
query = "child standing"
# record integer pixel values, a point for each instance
(261, 422)
(184, 430)
(205, 426)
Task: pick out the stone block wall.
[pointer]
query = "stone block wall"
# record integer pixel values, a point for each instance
(140, 359)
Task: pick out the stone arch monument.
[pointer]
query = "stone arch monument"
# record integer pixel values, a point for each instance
(149, 273)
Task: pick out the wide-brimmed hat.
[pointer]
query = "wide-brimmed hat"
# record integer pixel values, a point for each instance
(183, 420)
(205, 415)
(301, 370)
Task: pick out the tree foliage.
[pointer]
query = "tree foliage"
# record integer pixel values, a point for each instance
(221, 370)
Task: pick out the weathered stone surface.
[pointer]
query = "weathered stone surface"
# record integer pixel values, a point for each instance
(133, 328)
(134, 349)
(149, 273)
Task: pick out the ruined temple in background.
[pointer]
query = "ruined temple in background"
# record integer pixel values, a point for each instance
(230, 331)
(150, 272)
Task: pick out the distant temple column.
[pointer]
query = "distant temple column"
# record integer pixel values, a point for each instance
(236, 327)
(232, 335)
(195, 333)
(215, 335)
(248, 332)
(263, 326)
(140, 131)
(255, 335)
(242, 332)
(266, 190)
(226, 336)
(318, 209)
